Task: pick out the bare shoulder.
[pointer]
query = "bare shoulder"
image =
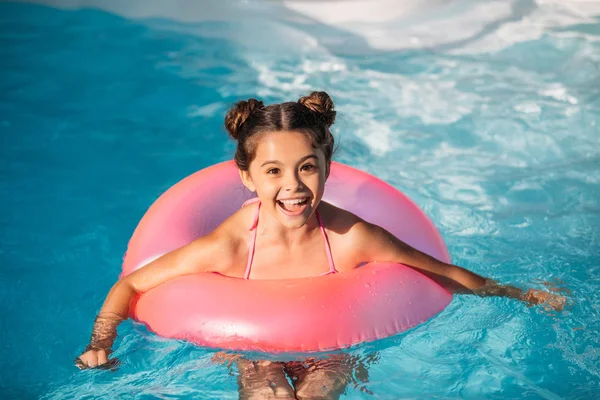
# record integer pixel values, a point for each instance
(220, 251)
(228, 243)
(347, 229)
(355, 241)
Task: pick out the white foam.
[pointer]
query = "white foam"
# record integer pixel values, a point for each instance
(462, 26)
(208, 110)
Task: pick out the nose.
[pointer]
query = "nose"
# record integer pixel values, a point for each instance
(293, 183)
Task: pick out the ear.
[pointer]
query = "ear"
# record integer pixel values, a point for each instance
(247, 180)
(327, 170)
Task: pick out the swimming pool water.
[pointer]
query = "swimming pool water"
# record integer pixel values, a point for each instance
(491, 127)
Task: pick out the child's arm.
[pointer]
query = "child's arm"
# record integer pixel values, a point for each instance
(383, 246)
(201, 255)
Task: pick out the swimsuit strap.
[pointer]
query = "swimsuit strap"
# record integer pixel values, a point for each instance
(332, 269)
(252, 239)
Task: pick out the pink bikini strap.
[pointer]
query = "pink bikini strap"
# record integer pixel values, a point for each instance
(253, 238)
(332, 269)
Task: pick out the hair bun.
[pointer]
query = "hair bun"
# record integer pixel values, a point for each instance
(320, 103)
(238, 114)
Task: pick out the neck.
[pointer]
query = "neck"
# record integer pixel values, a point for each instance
(272, 229)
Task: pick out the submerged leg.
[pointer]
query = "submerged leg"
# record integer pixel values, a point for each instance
(320, 379)
(263, 380)
(329, 377)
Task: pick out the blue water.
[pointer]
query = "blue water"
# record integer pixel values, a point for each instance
(495, 135)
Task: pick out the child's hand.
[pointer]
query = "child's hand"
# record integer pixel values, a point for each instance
(547, 299)
(96, 358)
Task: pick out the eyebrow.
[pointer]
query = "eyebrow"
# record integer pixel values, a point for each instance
(301, 160)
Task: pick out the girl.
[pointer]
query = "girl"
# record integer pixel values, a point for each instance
(284, 154)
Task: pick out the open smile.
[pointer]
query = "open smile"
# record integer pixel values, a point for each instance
(293, 207)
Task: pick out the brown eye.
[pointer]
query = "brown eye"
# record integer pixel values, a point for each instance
(307, 167)
(273, 171)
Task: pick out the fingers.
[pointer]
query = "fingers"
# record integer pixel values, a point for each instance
(557, 295)
(556, 302)
(91, 359)
(548, 300)
(102, 357)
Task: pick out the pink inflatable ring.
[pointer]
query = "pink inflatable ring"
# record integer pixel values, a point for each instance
(294, 315)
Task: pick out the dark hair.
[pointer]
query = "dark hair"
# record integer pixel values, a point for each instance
(312, 115)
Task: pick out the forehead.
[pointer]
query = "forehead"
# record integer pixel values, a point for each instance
(283, 145)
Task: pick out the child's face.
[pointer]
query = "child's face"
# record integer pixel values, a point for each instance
(288, 175)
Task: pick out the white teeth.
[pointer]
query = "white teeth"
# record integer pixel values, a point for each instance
(293, 201)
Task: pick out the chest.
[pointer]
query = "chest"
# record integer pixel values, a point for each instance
(277, 261)
(273, 261)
